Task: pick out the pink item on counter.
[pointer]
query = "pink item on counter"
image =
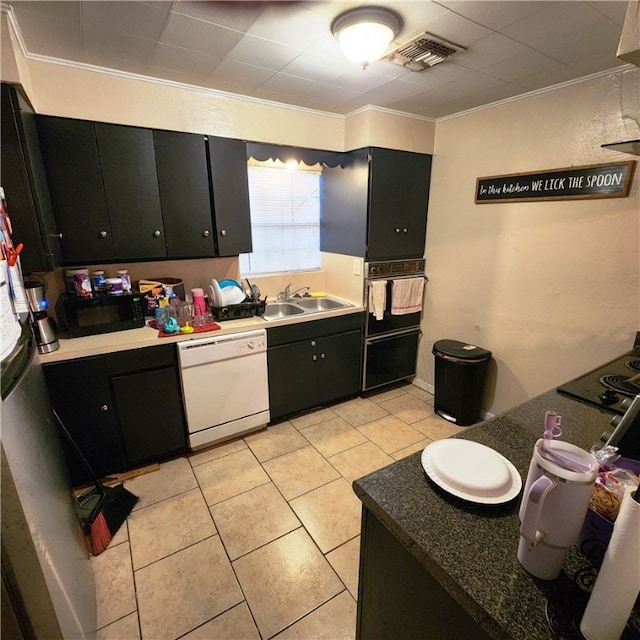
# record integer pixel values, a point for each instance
(199, 305)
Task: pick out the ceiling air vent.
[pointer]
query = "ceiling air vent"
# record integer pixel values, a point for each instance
(423, 51)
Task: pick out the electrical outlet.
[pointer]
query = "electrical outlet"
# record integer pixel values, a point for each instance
(357, 270)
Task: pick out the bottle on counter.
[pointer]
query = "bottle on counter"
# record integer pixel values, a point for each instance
(123, 274)
(99, 281)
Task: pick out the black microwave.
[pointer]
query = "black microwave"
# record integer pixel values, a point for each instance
(102, 313)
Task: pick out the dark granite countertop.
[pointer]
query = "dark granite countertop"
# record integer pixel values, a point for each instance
(472, 549)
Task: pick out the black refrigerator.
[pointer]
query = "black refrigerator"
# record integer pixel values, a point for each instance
(48, 589)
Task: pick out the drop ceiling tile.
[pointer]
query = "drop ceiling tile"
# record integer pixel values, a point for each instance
(516, 68)
(486, 96)
(233, 15)
(457, 29)
(590, 49)
(290, 23)
(290, 85)
(58, 37)
(103, 49)
(544, 28)
(64, 11)
(130, 18)
(267, 54)
(542, 77)
(191, 63)
(494, 15)
(615, 11)
(416, 17)
(197, 35)
(489, 50)
(390, 92)
(435, 76)
(314, 67)
(239, 74)
(362, 80)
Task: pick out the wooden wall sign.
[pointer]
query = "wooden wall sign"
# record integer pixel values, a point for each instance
(612, 180)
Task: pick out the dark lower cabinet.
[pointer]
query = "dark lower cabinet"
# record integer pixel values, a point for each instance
(79, 391)
(313, 363)
(399, 598)
(122, 409)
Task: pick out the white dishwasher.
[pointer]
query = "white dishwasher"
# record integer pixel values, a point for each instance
(224, 385)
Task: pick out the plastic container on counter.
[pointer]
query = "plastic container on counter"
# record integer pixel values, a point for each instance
(123, 274)
(78, 283)
(114, 286)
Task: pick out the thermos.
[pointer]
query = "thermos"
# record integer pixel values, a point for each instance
(554, 504)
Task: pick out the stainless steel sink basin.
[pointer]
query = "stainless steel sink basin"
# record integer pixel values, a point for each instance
(299, 306)
(281, 310)
(320, 304)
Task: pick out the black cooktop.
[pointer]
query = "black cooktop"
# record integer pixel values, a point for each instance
(608, 385)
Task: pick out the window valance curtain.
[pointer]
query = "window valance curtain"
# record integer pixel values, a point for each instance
(310, 157)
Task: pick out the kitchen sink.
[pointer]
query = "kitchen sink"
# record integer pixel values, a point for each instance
(277, 310)
(320, 304)
(299, 306)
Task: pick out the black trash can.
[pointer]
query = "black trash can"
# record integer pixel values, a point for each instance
(460, 374)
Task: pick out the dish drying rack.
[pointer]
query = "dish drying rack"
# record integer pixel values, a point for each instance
(245, 309)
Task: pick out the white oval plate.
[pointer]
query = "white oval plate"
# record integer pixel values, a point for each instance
(471, 471)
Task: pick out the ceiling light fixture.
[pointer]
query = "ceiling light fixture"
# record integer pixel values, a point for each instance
(365, 33)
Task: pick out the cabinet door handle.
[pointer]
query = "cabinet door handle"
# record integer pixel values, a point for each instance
(103, 234)
(404, 230)
(156, 234)
(314, 358)
(56, 235)
(313, 343)
(223, 233)
(397, 230)
(104, 407)
(322, 355)
(205, 233)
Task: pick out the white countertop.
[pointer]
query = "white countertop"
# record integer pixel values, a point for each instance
(147, 336)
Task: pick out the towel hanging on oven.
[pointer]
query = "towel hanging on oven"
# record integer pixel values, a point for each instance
(378, 298)
(406, 296)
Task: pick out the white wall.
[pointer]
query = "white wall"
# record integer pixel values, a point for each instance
(551, 288)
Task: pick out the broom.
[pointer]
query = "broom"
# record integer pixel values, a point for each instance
(101, 510)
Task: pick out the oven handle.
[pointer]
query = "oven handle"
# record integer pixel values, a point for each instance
(392, 334)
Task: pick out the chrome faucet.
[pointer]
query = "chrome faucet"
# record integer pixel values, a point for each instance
(287, 294)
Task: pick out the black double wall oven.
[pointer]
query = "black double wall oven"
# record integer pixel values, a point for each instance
(390, 339)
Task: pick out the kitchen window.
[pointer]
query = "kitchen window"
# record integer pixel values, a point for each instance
(285, 217)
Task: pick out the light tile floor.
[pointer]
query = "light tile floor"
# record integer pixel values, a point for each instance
(258, 537)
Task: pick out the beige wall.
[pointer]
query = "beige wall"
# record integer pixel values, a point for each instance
(551, 288)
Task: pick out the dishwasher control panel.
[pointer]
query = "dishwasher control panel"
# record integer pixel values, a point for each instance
(200, 351)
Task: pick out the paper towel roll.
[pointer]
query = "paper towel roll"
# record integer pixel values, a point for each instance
(618, 582)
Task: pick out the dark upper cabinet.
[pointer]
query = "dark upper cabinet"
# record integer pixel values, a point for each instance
(127, 163)
(72, 165)
(103, 189)
(375, 206)
(24, 182)
(230, 188)
(398, 201)
(181, 165)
